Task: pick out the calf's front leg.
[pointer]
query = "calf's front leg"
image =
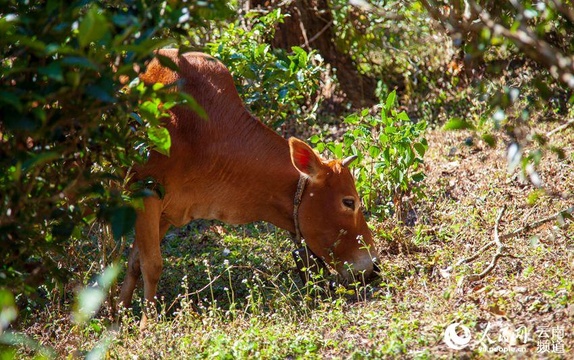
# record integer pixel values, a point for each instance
(145, 256)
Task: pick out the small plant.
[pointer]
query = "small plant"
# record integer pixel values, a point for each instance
(391, 148)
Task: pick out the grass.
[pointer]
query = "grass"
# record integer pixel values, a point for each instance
(234, 292)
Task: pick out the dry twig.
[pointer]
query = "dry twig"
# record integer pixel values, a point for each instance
(316, 36)
(534, 225)
(500, 252)
(500, 247)
(560, 128)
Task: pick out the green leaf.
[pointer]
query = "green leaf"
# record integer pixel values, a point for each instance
(190, 102)
(150, 111)
(390, 100)
(352, 119)
(383, 138)
(160, 138)
(33, 43)
(336, 149)
(8, 310)
(348, 140)
(298, 50)
(403, 116)
(418, 177)
(40, 159)
(145, 48)
(93, 27)
(107, 278)
(12, 99)
(157, 86)
(301, 55)
(420, 149)
(283, 91)
(123, 219)
(79, 61)
(282, 65)
(374, 151)
(147, 187)
(261, 50)
(89, 299)
(315, 139)
(53, 71)
(100, 93)
(408, 156)
(390, 130)
(458, 124)
(489, 139)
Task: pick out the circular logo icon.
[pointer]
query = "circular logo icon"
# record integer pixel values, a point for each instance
(455, 341)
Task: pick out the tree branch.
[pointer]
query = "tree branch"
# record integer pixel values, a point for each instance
(561, 67)
(567, 11)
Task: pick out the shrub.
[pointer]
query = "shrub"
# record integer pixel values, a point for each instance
(392, 149)
(277, 86)
(68, 127)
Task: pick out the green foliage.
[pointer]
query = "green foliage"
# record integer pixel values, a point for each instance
(68, 129)
(389, 40)
(277, 86)
(458, 124)
(391, 148)
(88, 301)
(8, 310)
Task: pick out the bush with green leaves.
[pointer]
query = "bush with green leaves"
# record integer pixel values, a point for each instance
(277, 86)
(391, 40)
(390, 148)
(68, 123)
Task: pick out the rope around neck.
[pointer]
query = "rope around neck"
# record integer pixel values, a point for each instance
(296, 202)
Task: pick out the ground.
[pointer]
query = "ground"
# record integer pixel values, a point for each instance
(230, 292)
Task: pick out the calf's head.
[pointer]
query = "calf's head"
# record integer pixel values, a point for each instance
(330, 216)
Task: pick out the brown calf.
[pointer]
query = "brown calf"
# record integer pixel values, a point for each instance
(233, 168)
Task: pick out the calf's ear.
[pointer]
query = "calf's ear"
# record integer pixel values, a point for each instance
(304, 158)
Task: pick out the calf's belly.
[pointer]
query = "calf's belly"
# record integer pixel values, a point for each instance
(180, 212)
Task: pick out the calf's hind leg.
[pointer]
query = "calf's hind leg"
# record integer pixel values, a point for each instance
(132, 276)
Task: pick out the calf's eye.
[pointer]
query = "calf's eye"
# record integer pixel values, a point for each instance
(349, 203)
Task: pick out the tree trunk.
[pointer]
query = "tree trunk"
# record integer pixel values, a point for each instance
(310, 25)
